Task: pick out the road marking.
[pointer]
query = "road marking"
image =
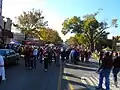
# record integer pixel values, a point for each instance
(70, 85)
(59, 78)
(92, 79)
(88, 82)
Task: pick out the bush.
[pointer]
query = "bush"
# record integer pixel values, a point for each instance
(95, 55)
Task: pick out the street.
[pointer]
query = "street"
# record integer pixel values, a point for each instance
(83, 77)
(18, 78)
(73, 77)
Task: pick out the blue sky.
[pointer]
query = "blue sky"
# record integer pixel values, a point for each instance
(55, 11)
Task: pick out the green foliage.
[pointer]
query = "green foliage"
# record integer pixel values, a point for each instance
(49, 35)
(72, 25)
(29, 22)
(72, 41)
(95, 56)
(92, 31)
(82, 39)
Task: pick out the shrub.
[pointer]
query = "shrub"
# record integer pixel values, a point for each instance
(95, 55)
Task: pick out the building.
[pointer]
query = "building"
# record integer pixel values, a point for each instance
(18, 37)
(5, 30)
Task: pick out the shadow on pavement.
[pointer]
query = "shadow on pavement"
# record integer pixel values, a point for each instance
(88, 64)
(72, 66)
(70, 75)
(76, 84)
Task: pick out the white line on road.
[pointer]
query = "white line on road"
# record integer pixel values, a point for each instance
(91, 82)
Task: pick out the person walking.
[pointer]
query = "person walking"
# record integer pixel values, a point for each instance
(71, 56)
(26, 56)
(57, 54)
(82, 56)
(63, 54)
(101, 57)
(46, 58)
(116, 69)
(76, 56)
(41, 54)
(35, 54)
(2, 70)
(104, 71)
(67, 54)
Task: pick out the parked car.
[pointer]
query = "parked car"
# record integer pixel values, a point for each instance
(10, 56)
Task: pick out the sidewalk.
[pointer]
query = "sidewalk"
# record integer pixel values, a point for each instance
(83, 77)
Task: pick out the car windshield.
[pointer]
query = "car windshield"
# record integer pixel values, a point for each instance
(2, 52)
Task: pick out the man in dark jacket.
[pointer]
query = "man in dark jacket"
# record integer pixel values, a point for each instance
(116, 69)
(46, 58)
(104, 70)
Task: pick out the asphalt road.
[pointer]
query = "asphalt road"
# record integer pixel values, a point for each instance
(18, 78)
(82, 77)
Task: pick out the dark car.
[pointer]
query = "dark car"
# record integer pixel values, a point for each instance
(10, 56)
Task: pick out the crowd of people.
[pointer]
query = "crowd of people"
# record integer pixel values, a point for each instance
(47, 54)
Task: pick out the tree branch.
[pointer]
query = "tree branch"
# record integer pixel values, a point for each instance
(95, 39)
(88, 36)
(99, 33)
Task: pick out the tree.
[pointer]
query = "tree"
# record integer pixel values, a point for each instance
(31, 21)
(73, 25)
(49, 35)
(72, 41)
(82, 40)
(92, 29)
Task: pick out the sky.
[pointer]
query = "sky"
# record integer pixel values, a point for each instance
(56, 11)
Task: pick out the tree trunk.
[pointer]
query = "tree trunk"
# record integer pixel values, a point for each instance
(92, 46)
(25, 38)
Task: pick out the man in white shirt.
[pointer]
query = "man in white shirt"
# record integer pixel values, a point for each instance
(35, 54)
(2, 70)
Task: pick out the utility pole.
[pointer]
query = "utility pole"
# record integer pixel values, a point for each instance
(1, 21)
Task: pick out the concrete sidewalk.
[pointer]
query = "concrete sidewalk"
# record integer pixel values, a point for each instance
(82, 77)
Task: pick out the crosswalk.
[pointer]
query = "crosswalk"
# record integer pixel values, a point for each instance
(87, 78)
(92, 81)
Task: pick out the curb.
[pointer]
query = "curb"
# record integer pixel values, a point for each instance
(59, 78)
